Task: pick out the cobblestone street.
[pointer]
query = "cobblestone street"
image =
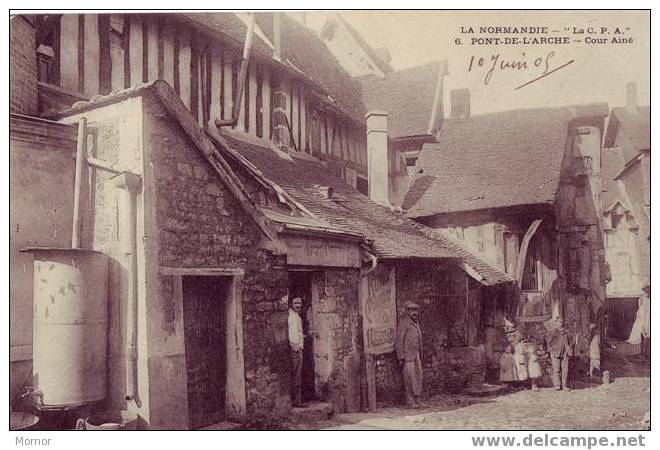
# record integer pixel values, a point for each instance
(617, 406)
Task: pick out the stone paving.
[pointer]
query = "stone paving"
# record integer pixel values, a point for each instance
(620, 405)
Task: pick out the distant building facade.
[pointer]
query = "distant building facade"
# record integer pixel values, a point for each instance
(522, 189)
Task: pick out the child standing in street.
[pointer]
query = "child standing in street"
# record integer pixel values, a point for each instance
(534, 367)
(508, 367)
(520, 359)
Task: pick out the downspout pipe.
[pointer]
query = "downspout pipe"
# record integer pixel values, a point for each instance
(80, 158)
(242, 78)
(130, 185)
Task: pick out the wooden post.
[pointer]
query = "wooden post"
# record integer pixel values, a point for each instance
(177, 80)
(81, 53)
(126, 44)
(369, 360)
(105, 61)
(194, 78)
(161, 50)
(145, 49)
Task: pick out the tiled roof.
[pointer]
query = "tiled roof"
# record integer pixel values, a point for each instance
(305, 50)
(407, 95)
(393, 236)
(494, 160)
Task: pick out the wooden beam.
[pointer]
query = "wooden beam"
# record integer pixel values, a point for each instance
(209, 69)
(222, 84)
(202, 271)
(105, 61)
(194, 78)
(177, 76)
(126, 45)
(81, 53)
(202, 83)
(55, 74)
(145, 49)
(522, 254)
(161, 50)
(246, 97)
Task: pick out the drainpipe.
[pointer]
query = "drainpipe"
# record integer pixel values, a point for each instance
(80, 157)
(242, 78)
(130, 185)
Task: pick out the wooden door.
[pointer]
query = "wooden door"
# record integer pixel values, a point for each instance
(204, 300)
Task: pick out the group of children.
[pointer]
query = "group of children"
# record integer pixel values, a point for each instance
(520, 363)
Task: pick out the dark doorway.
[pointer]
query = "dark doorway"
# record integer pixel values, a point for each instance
(204, 300)
(621, 313)
(300, 285)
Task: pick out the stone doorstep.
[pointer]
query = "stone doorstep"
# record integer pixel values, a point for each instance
(311, 412)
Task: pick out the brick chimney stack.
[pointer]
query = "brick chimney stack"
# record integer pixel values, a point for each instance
(378, 170)
(460, 103)
(631, 96)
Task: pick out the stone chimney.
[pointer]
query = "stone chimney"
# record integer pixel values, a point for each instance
(631, 96)
(378, 170)
(460, 103)
(277, 36)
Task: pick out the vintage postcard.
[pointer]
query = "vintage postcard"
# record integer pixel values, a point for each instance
(330, 220)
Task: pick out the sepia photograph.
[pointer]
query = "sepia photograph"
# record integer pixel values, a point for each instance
(330, 220)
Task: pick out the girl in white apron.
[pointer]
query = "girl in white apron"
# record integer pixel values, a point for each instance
(534, 367)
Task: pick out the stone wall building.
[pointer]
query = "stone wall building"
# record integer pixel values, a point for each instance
(522, 189)
(627, 209)
(211, 226)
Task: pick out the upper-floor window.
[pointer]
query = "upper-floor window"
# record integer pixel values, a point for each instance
(48, 48)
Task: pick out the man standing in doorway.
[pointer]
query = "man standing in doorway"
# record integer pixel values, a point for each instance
(296, 342)
(409, 351)
(561, 349)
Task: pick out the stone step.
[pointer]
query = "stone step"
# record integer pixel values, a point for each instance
(311, 412)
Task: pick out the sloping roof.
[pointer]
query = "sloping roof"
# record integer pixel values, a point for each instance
(368, 49)
(407, 95)
(393, 236)
(305, 50)
(494, 160)
(611, 164)
(635, 129)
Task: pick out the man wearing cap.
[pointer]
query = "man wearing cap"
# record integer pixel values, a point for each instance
(409, 350)
(561, 349)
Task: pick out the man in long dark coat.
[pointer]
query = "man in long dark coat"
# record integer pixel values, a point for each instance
(409, 350)
(561, 349)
